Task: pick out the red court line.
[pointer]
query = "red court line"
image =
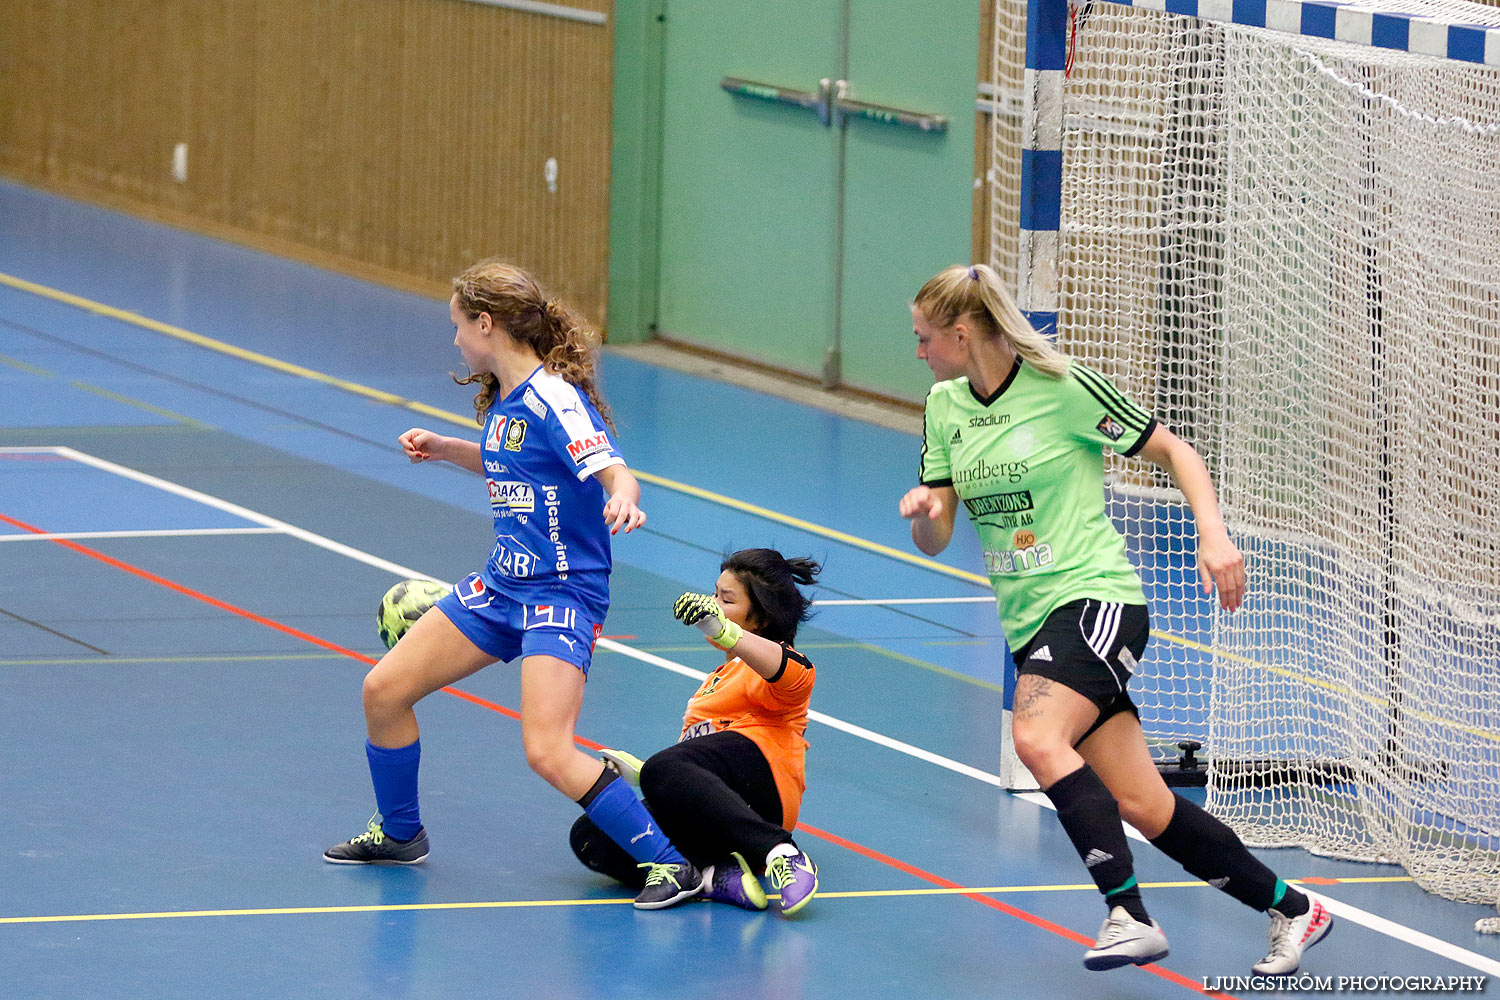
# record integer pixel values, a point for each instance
(832, 838)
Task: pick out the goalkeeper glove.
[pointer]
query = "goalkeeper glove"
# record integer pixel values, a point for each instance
(703, 611)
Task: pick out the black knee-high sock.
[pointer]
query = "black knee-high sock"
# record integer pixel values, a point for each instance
(1091, 817)
(1211, 851)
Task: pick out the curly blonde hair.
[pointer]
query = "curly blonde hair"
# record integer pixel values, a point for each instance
(564, 341)
(976, 291)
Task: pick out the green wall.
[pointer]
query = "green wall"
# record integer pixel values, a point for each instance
(750, 227)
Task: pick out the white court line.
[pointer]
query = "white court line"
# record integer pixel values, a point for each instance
(827, 720)
(231, 508)
(1353, 914)
(156, 533)
(905, 600)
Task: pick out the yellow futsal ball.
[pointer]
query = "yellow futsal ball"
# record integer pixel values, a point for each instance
(403, 604)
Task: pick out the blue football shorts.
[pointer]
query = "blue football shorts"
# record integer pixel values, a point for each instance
(505, 628)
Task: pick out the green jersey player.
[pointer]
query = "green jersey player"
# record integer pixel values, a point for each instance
(1015, 431)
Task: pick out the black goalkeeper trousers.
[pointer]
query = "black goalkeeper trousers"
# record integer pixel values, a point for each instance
(711, 795)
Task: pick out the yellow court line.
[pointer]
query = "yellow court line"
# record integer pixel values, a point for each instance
(23, 366)
(1342, 690)
(811, 528)
(297, 911)
(294, 911)
(863, 647)
(138, 404)
(198, 339)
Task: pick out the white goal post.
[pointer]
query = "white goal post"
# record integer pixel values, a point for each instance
(1282, 236)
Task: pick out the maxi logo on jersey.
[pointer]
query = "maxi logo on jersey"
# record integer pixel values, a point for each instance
(512, 497)
(579, 449)
(512, 558)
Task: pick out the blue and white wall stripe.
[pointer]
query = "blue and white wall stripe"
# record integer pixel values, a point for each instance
(1406, 32)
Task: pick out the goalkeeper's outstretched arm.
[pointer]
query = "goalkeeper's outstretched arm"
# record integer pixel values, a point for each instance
(703, 612)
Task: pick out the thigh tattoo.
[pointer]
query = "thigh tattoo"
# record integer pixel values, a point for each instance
(1031, 691)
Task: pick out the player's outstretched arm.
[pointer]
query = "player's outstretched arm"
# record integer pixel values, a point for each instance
(703, 613)
(1219, 561)
(623, 508)
(422, 445)
(931, 510)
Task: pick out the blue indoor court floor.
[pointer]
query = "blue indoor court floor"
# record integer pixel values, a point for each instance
(201, 501)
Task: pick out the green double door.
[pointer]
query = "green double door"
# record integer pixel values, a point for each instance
(796, 234)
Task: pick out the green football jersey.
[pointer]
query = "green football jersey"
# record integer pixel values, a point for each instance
(1028, 463)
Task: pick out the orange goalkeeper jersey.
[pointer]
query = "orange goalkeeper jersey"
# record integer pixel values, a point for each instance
(771, 713)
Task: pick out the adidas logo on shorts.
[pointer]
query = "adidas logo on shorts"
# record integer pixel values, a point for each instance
(1044, 653)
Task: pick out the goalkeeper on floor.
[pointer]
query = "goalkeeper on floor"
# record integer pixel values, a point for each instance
(727, 793)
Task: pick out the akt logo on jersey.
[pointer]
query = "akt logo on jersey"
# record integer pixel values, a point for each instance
(581, 448)
(514, 498)
(697, 729)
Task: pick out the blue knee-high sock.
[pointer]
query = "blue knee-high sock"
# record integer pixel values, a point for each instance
(393, 770)
(617, 812)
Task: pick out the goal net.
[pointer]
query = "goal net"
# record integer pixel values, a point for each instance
(1288, 248)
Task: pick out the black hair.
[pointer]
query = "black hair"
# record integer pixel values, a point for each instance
(770, 579)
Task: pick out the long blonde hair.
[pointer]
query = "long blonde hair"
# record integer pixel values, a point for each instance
(976, 292)
(560, 337)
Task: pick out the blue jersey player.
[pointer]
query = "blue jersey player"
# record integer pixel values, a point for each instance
(558, 489)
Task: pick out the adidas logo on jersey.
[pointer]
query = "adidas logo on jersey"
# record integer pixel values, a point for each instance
(1042, 653)
(1096, 857)
(957, 438)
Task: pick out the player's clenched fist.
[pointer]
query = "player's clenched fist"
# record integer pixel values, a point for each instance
(920, 501)
(704, 613)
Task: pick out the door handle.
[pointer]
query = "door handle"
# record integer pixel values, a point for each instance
(847, 107)
(832, 99)
(818, 101)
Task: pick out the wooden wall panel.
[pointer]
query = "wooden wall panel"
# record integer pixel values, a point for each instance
(396, 139)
